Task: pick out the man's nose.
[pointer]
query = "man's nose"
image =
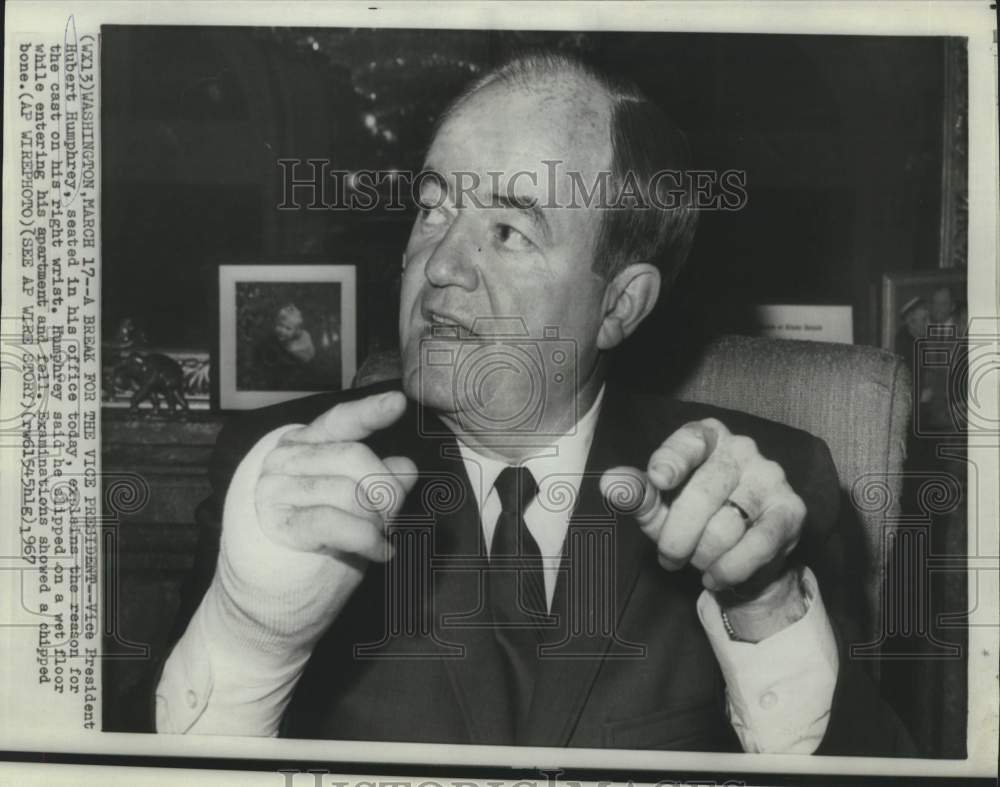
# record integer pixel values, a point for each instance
(454, 260)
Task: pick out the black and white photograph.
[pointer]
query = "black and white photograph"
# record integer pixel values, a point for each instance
(921, 305)
(925, 321)
(609, 398)
(436, 113)
(284, 330)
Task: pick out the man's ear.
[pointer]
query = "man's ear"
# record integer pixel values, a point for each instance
(628, 299)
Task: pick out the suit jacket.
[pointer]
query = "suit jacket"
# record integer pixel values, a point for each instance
(411, 658)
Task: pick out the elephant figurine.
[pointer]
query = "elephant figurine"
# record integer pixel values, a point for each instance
(153, 375)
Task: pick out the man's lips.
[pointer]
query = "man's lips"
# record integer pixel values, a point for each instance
(447, 327)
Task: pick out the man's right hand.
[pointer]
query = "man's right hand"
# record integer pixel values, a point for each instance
(305, 513)
(321, 490)
(292, 555)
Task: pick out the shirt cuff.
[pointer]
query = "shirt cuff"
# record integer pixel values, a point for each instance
(779, 690)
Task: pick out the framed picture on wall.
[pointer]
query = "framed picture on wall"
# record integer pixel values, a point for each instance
(921, 305)
(285, 331)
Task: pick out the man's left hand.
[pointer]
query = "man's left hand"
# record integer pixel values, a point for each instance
(731, 515)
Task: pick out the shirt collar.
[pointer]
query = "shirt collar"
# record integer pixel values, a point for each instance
(562, 461)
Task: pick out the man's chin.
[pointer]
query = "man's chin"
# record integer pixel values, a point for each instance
(431, 387)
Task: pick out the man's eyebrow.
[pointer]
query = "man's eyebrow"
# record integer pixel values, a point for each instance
(526, 205)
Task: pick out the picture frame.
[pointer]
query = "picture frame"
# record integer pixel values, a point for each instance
(902, 293)
(285, 331)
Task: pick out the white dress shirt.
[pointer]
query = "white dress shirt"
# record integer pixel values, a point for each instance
(558, 471)
(778, 691)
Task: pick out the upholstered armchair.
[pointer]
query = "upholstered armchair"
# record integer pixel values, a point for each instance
(858, 400)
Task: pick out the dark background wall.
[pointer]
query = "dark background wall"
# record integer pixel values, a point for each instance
(840, 138)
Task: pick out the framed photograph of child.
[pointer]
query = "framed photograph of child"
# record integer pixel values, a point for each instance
(285, 331)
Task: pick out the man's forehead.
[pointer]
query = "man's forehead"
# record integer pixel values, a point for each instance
(551, 130)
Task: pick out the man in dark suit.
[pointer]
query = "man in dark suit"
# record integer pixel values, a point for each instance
(473, 554)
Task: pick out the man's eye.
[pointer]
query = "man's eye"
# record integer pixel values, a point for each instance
(512, 238)
(432, 214)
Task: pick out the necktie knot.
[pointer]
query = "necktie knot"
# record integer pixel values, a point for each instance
(516, 489)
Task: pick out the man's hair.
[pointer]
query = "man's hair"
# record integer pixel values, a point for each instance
(644, 141)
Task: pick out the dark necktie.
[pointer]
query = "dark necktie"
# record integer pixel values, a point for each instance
(516, 588)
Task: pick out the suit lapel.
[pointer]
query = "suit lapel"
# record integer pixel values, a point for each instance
(602, 557)
(569, 663)
(459, 620)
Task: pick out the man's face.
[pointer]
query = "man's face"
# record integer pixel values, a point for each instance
(504, 249)
(942, 305)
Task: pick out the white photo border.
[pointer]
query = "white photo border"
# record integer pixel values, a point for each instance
(230, 397)
(34, 729)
